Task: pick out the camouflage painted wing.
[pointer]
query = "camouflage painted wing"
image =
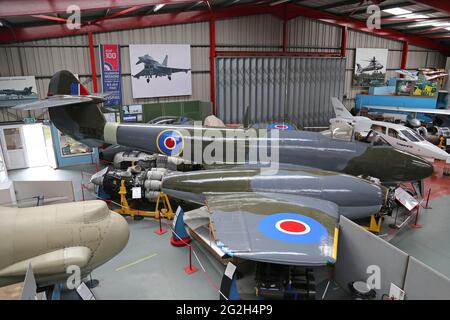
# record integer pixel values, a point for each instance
(275, 228)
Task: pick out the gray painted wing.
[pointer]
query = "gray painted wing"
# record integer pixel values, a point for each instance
(57, 101)
(275, 228)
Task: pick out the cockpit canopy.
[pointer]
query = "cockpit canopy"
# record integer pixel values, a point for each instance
(340, 131)
(404, 134)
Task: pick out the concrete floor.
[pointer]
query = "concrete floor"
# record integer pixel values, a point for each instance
(431, 242)
(150, 268)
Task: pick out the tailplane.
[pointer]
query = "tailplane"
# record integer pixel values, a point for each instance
(340, 110)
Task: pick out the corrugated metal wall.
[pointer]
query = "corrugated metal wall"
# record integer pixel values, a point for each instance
(277, 88)
(255, 33)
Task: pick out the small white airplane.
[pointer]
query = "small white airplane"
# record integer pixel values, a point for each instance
(398, 136)
(429, 75)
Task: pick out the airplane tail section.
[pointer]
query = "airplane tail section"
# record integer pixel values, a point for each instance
(165, 61)
(72, 109)
(358, 67)
(28, 89)
(340, 110)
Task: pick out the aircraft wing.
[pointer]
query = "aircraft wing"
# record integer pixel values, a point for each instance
(413, 110)
(275, 228)
(55, 101)
(172, 70)
(50, 263)
(142, 73)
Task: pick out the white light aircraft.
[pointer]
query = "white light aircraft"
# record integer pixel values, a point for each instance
(398, 136)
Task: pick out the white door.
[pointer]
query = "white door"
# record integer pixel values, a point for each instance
(35, 148)
(49, 146)
(13, 147)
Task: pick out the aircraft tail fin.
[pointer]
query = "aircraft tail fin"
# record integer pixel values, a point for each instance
(28, 89)
(340, 110)
(358, 69)
(72, 110)
(165, 61)
(65, 83)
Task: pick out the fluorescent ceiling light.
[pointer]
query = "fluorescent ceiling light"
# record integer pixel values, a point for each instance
(158, 6)
(397, 11)
(416, 16)
(278, 2)
(448, 28)
(440, 24)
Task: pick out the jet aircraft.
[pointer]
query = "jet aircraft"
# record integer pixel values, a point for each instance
(25, 92)
(297, 228)
(153, 68)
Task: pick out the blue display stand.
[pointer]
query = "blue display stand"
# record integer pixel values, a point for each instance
(180, 237)
(71, 160)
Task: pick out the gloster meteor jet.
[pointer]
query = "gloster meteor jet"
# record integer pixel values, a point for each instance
(153, 68)
(289, 216)
(25, 92)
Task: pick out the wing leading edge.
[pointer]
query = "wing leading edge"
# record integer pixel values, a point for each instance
(275, 228)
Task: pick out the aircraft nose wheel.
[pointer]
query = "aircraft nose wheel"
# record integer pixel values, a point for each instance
(148, 80)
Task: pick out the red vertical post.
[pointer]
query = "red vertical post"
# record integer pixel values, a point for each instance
(344, 41)
(284, 34)
(404, 56)
(92, 58)
(212, 54)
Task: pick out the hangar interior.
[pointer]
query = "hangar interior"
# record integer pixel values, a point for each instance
(97, 173)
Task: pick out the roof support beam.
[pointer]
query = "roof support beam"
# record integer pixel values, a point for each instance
(33, 7)
(338, 4)
(439, 5)
(292, 11)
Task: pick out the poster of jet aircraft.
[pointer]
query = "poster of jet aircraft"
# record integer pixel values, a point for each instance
(15, 90)
(370, 66)
(160, 70)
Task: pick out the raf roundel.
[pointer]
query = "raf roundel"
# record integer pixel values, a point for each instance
(293, 228)
(280, 126)
(170, 142)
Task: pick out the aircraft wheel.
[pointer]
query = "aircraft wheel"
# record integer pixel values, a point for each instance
(148, 80)
(170, 78)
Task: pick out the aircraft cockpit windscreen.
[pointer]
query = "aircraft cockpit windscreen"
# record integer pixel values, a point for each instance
(412, 136)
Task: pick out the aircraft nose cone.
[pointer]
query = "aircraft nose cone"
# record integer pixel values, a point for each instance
(414, 168)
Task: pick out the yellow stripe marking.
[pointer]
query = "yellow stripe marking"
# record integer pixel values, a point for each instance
(136, 262)
(335, 242)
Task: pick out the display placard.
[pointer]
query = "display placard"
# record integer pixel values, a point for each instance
(160, 70)
(111, 74)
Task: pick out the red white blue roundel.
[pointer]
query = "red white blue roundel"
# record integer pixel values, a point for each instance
(293, 227)
(170, 142)
(281, 126)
